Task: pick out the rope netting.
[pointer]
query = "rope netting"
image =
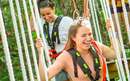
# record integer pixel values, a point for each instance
(17, 42)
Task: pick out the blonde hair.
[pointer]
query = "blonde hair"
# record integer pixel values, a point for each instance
(73, 31)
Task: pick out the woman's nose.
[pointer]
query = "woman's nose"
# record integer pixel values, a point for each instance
(46, 17)
(88, 38)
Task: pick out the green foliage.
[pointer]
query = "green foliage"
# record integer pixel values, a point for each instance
(63, 7)
(12, 42)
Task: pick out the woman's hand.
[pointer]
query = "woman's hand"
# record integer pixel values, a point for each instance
(108, 24)
(39, 45)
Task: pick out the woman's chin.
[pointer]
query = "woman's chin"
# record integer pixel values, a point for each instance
(86, 47)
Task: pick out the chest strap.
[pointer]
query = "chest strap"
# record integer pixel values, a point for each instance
(55, 33)
(77, 59)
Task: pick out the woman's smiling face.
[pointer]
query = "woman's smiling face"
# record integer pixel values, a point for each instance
(47, 14)
(83, 38)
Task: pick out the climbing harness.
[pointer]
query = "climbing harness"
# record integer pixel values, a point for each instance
(77, 59)
(55, 36)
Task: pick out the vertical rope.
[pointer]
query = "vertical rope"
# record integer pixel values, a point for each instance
(118, 69)
(104, 13)
(95, 22)
(43, 38)
(31, 40)
(38, 35)
(115, 43)
(24, 40)
(41, 31)
(121, 40)
(86, 13)
(6, 49)
(104, 8)
(126, 19)
(129, 3)
(18, 40)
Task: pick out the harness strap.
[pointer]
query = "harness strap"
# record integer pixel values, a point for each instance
(55, 33)
(77, 59)
(74, 58)
(103, 59)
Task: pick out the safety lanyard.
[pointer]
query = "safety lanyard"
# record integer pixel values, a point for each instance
(55, 33)
(77, 59)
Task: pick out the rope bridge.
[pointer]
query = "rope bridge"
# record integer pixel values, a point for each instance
(20, 12)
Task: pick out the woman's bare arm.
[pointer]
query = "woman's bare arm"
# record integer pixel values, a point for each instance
(52, 70)
(107, 51)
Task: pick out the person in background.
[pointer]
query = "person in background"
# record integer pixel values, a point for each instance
(55, 28)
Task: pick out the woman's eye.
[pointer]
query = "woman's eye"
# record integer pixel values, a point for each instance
(89, 34)
(83, 35)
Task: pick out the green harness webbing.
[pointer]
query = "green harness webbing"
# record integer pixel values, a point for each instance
(55, 33)
(77, 59)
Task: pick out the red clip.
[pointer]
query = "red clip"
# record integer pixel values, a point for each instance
(53, 54)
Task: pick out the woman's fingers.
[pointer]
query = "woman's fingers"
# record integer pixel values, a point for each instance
(39, 43)
(108, 24)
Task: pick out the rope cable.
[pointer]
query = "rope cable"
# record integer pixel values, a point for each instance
(43, 38)
(31, 40)
(24, 42)
(126, 19)
(114, 41)
(76, 11)
(121, 40)
(30, 36)
(6, 48)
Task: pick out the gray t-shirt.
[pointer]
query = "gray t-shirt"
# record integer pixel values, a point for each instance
(63, 32)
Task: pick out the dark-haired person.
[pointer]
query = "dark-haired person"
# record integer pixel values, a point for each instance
(55, 29)
(83, 58)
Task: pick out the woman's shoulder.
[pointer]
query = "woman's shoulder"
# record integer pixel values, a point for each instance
(65, 54)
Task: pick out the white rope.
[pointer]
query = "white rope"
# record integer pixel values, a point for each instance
(110, 34)
(41, 31)
(96, 20)
(24, 42)
(115, 42)
(94, 23)
(121, 40)
(103, 8)
(129, 3)
(118, 69)
(106, 16)
(18, 41)
(38, 35)
(36, 26)
(6, 49)
(126, 19)
(31, 40)
(104, 13)
(23, 37)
